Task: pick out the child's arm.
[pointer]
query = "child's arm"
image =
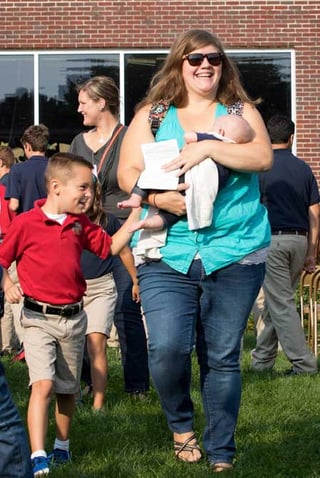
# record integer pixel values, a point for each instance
(13, 292)
(127, 259)
(121, 238)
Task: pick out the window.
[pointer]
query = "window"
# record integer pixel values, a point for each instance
(40, 87)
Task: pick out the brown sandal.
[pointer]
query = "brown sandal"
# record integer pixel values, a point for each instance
(179, 447)
(218, 467)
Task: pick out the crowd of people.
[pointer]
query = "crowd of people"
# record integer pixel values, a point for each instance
(261, 208)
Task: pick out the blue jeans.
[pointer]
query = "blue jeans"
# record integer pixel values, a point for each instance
(15, 454)
(210, 312)
(132, 336)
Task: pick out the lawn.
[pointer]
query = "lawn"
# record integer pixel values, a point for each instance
(278, 434)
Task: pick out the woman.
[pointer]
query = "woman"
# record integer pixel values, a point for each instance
(99, 105)
(204, 286)
(101, 297)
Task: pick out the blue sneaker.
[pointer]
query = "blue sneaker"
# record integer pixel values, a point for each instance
(40, 465)
(59, 457)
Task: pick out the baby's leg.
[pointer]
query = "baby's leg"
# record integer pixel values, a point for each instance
(134, 200)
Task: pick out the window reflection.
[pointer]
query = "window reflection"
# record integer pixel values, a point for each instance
(139, 69)
(58, 77)
(267, 76)
(264, 74)
(16, 97)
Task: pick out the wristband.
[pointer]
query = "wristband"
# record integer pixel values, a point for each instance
(154, 201)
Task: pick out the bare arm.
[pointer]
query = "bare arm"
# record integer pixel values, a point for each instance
(313, 237)
(123, 235)
(255, 155)
(13, 204)
(131, 163)
(13, 292)
(127, 259)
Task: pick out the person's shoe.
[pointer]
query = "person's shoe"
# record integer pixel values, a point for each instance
(293, 373)
(19, 356)
(40, 465)
(59, 457)
(138, 395)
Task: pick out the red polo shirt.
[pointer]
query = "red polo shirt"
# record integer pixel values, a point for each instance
(48, 254)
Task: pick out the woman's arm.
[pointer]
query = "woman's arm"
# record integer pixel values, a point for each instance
(256, 155)
(131, 164)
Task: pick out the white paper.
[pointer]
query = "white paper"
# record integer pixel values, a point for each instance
(155, 155)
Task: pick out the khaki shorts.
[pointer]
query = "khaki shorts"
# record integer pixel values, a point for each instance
(99, 303)
(54, 348)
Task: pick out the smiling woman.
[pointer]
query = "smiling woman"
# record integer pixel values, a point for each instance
(209, 277)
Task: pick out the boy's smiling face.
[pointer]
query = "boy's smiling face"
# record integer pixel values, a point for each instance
(76, 191)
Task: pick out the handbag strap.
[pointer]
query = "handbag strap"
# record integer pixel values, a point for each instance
(108, 147)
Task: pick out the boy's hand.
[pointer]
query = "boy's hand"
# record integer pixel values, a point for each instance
(13, 294)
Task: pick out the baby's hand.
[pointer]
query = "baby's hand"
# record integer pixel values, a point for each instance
(190, 137)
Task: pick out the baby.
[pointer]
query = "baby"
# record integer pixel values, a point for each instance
(228, 128)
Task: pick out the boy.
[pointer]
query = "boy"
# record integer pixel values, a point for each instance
(47, 243)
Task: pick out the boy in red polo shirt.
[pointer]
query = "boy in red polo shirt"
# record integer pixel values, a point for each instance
(46, 243)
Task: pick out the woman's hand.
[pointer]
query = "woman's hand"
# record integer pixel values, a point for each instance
(190, 155)
(171, 201)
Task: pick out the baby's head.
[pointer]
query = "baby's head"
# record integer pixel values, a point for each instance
(233, 127)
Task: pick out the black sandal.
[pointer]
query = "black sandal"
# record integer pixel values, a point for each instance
(186, 446)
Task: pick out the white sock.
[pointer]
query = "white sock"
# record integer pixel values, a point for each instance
(61, 444)
(38, 453)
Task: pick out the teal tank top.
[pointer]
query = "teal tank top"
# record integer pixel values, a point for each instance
(239, 226)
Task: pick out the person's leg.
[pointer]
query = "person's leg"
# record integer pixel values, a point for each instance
(266, 350)
(284, 265)
(132, 336)
(257, 312)
(96, 344)
(38, 410)
(9, 339)
(64, 411)
(170, 304)
(15, 453)
(226, 302)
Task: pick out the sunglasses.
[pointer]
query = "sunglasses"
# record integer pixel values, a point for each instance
(196, 59)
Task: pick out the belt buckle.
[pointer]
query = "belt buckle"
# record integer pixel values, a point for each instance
(66, 311)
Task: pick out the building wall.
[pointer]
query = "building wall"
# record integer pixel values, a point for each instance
(63, 24)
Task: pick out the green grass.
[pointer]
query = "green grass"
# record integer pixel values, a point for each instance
(278, 434)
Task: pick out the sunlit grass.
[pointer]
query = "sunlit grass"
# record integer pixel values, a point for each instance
(278, 433)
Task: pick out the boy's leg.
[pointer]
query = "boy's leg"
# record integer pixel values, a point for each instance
(38, 410)
(65, 407)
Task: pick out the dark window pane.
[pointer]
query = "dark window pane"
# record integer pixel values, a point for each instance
(16, 97)
(59, 75)
(139, 69)
(267, 76)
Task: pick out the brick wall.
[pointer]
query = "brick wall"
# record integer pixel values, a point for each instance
(62, 24)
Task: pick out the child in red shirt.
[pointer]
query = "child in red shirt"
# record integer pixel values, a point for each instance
(47, 243)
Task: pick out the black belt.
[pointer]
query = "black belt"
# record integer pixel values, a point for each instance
(294, 232)
(64, 311)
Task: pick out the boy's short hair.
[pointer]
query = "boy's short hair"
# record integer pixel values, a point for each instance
(6, 156)
(37, 136)
(61, 165)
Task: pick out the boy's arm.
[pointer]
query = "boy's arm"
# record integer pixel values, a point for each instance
(13, 293)
(13, 204)
(127, 259)
(124, 234)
